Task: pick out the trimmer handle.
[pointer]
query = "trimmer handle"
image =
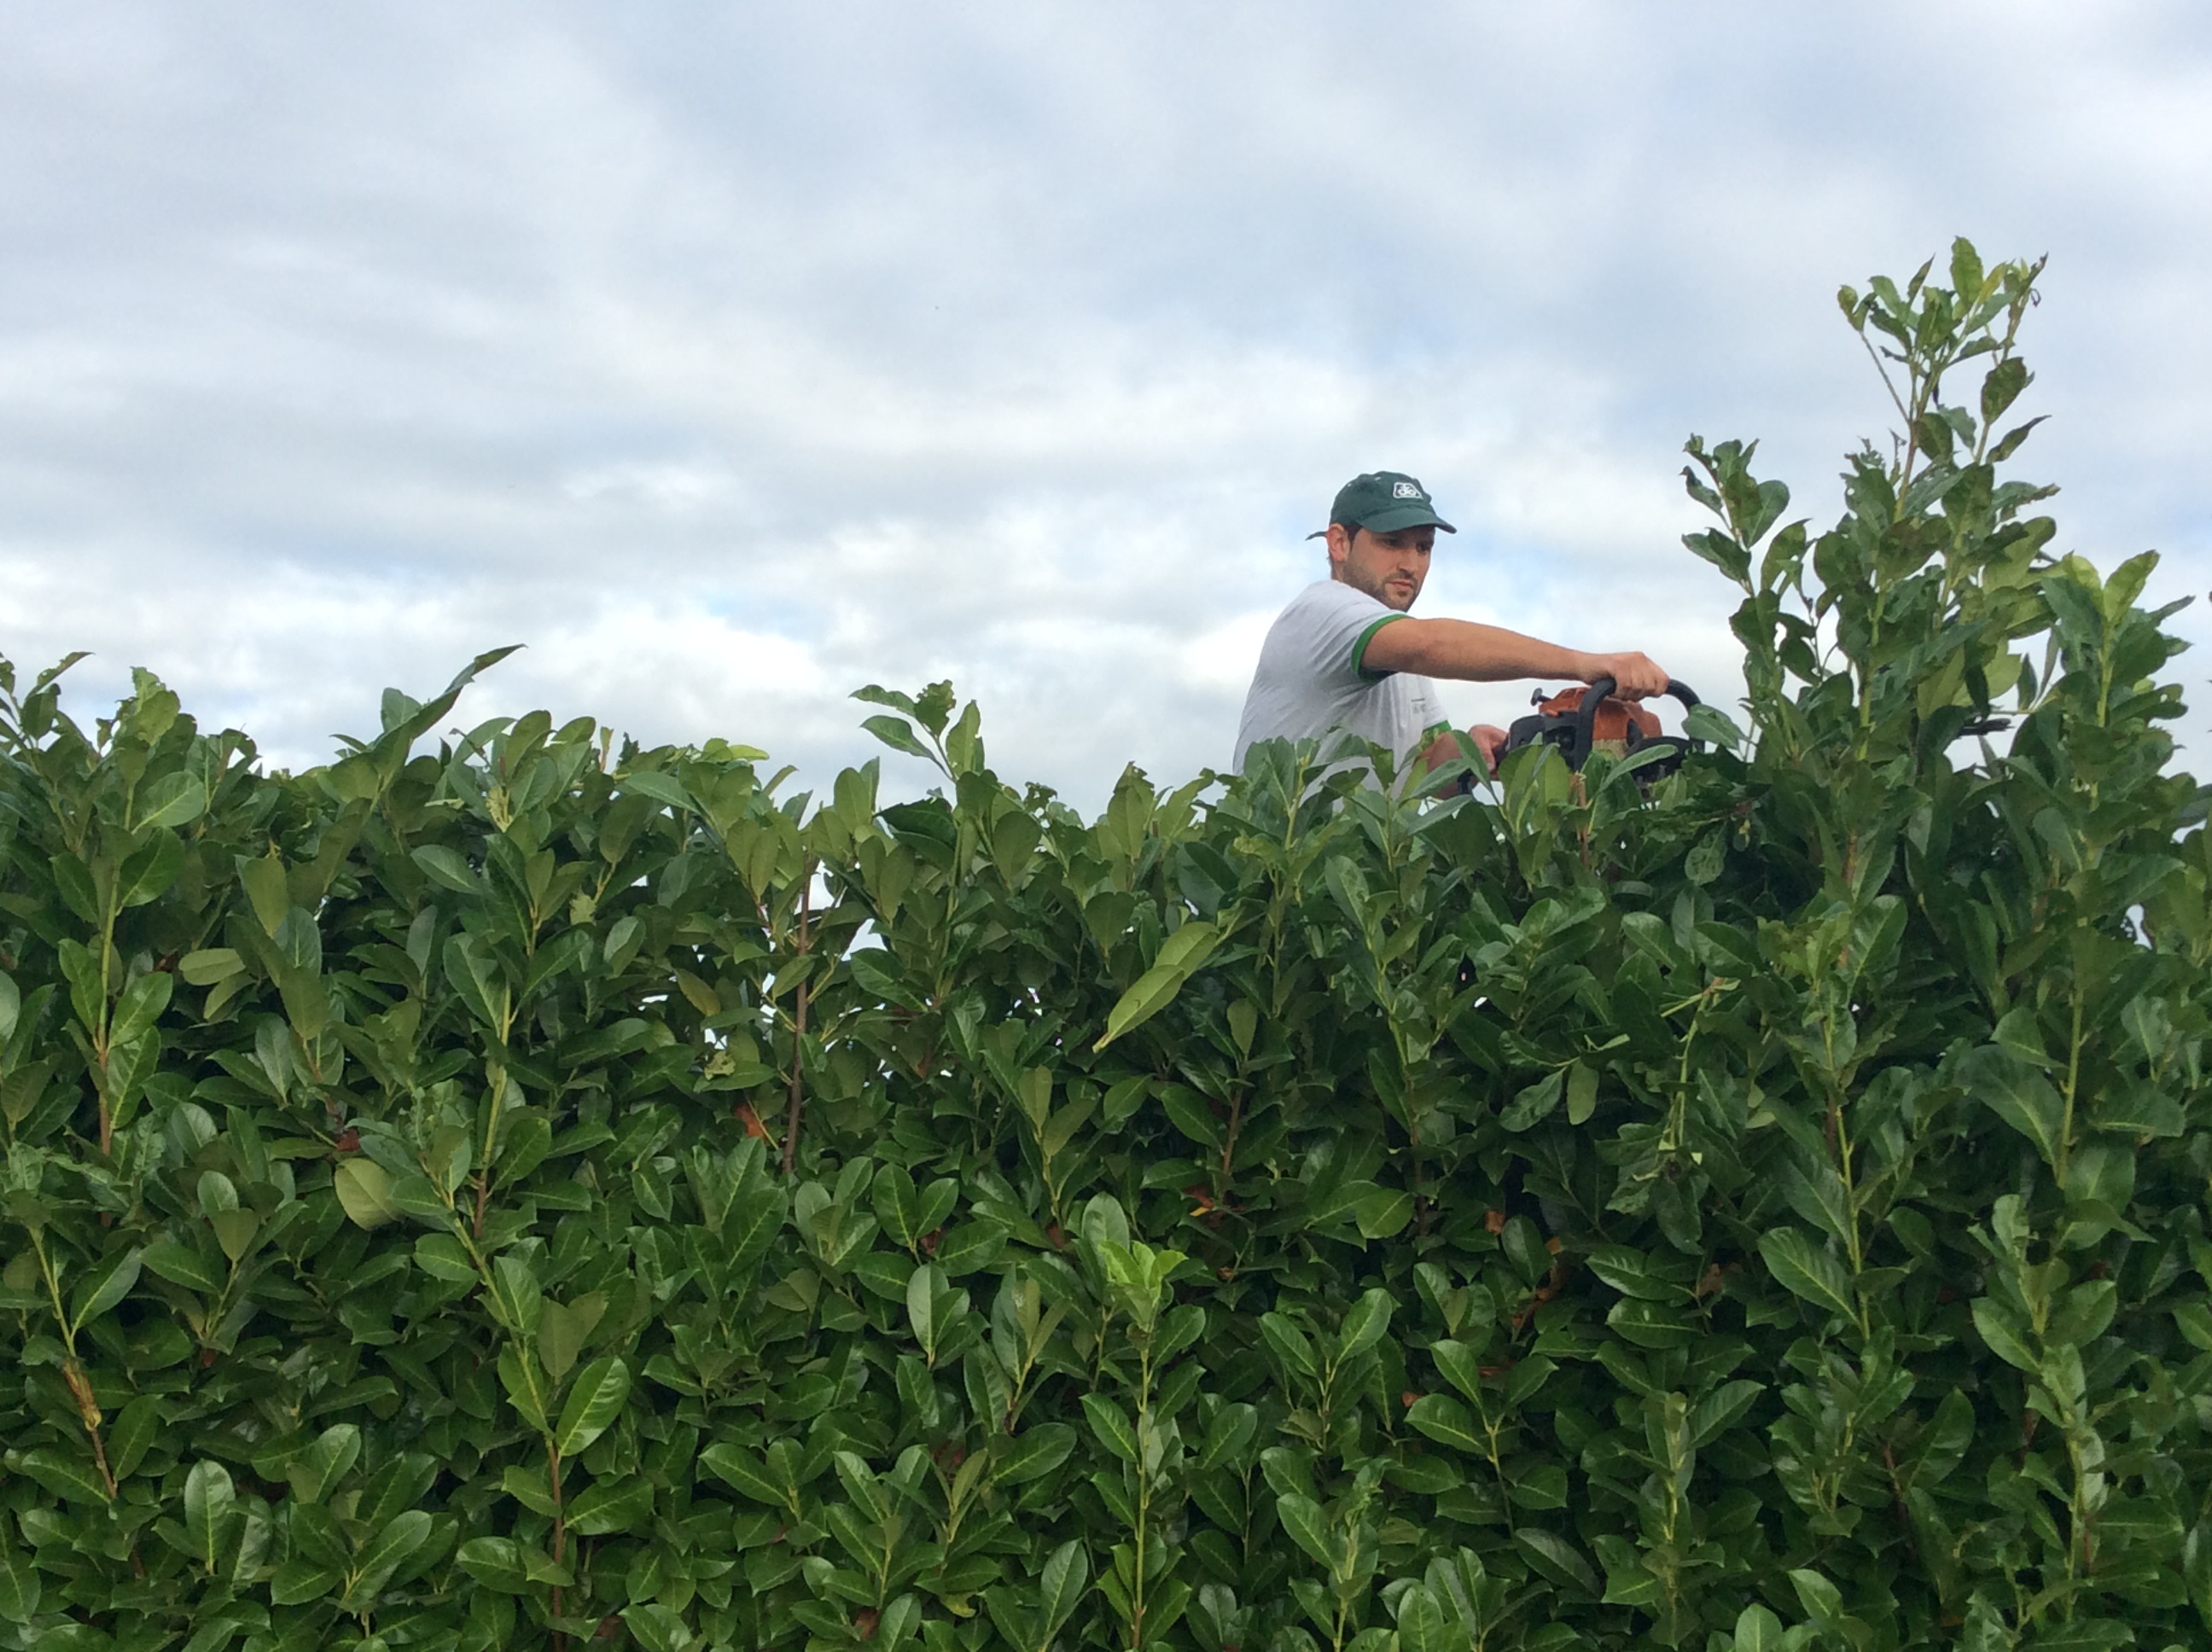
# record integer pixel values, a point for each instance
(1586, 716)
(1601, 687)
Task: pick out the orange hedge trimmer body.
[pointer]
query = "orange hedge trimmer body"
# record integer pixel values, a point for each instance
(1582, 720)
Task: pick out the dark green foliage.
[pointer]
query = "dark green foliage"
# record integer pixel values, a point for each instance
(536, 1192)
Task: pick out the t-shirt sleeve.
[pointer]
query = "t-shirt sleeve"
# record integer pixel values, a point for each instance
(1340, 624)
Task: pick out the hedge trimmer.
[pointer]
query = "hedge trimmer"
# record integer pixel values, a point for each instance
(1582, 720)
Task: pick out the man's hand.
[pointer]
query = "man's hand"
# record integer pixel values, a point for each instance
(1489, 740)
(1634, 676)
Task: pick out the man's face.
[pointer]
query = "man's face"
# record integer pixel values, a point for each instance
(1390, 568)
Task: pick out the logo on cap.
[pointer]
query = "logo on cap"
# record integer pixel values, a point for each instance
(1405, 490)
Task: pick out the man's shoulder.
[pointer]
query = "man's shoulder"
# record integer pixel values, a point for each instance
(1334, 595)
(1329, 600)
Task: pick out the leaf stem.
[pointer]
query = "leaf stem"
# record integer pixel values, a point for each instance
(799, 1024)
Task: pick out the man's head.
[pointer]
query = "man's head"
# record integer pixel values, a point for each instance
(1381, 531)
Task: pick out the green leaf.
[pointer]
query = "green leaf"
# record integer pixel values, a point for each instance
(20, 1090)
(2001, 387)
(1581, 1093)
(209, 965)
(1303, 1519)
(2137, 1110)
(1292, 1346)
(1535, 1103)
(1632, 1273)
(970, 1246)
(441, 1256)
(1060, 1588)
(1226, 1436)
(172, 801)
(740, 1469)
(751, 1228)
(108, 1284)
(1806, 1270)
(2197, 1567)
(1654, 1325)
(298, 1582)
(1446, 1421)
(447, 869)
(1421, 1624)
(1383, 1213)
(898, 1206)
(898, 734)
(2018, 1094)
(1714, 726)
(1111, 1425)
(2005, 1335)
(365, 1191)
(1189, 1113)
(924, 1290)
(179, 1266)
(610, 1506)
(66, 1475)
(563, 1331)
(209, 1499)
(2010, 443)
(1462, 1366)
(476, 980)
(518, 1377)
(140, 1006)
(1716, 1413)
(1035, 1451)
(1552, 1556)
(325, 1463)
(1180, 957)
(497, 1563)
(403, 1535)
(234, 1230)
(266, 890)
(1758, 1630)
(1822, 1600)
(19, 1585)
(131, 1435)
(531, 1488)
(899, 1621)
(593, 1403)
(659, 1627)
(661, 788)
(1365, 1323)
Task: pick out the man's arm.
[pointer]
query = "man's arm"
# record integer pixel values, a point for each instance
(1489, 653)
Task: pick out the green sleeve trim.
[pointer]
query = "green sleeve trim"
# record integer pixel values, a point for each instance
(1359, 649)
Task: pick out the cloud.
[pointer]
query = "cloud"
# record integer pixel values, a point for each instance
(732, 360)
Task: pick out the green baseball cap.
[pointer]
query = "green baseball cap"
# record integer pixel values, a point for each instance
(1383, 501)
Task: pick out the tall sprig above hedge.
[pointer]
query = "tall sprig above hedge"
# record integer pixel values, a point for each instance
(564, 1192)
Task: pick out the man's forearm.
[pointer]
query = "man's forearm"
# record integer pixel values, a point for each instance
(1469, 652)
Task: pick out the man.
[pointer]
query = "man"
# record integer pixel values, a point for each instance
(1346, 655)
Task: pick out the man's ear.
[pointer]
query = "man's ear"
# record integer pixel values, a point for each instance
(1339, 547)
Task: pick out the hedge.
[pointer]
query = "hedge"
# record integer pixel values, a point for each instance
(541, 1192)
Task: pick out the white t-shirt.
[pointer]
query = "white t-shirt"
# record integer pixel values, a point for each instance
(1310, 679)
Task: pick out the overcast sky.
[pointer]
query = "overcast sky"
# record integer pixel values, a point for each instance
(732, 356)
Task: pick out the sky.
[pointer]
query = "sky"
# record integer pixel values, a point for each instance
(730, 357)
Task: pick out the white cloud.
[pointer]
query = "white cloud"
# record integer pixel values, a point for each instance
(733, 359)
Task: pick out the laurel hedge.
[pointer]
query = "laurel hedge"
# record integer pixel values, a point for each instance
(536, 1192)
